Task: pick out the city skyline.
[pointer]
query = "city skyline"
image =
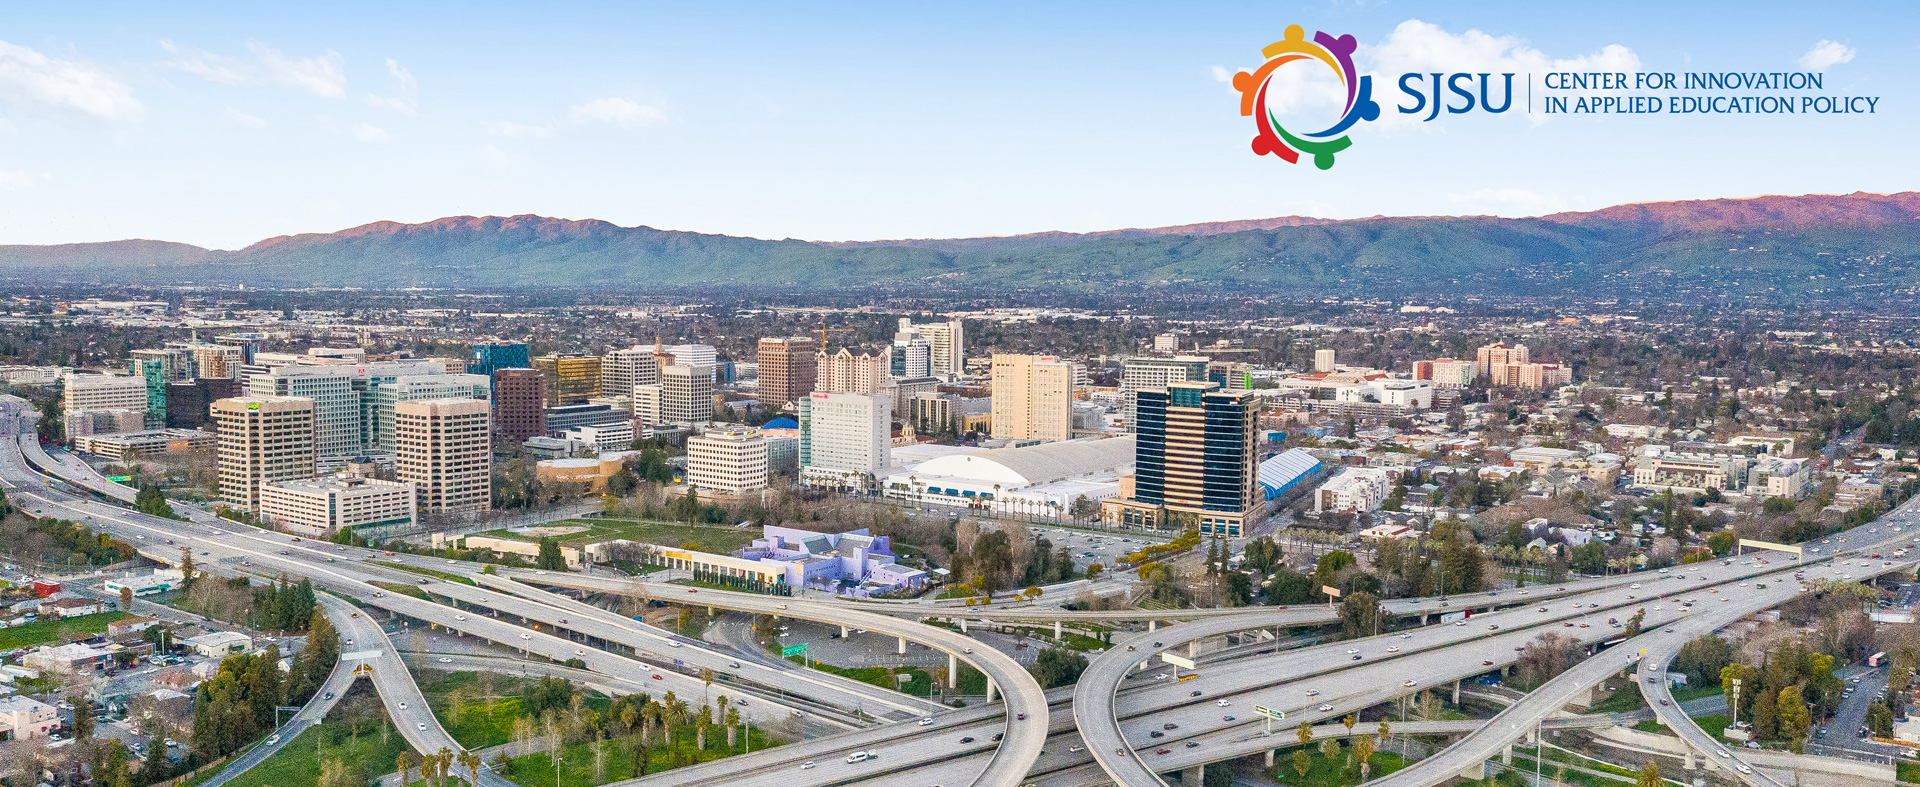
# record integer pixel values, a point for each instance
(861, 123)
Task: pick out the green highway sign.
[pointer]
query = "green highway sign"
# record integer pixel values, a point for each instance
(1269, 712)
(793, 650)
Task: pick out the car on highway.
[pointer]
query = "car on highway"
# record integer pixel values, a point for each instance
(1163, 751)
(967, 739)
(1410, 684)
(656, 676)
(445, 660)
(422, 726)
(1222, 703)
(403, 706)
(526, 636)
(808, 765)
(1325, 708)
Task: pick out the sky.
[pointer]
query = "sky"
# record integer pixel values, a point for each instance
(223, 124)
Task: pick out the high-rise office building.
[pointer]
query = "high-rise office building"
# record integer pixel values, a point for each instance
(727, 462)
(1145, 373)
(247, 343)
(1446, 372)
(263, 440)
(381, 401)
(686, 394)
(947, 346)
(88, 392)
(1032, 397)
(1166, 343)
(1231, 375)
(844, 438)
(1194, 455)
(154, 373)
(625, 368)
(571, 379)
(1323, 361)
(189, 404)
(520, 403)
(216, 361)
(490, 357)
(786, 369)
(844, 372)
(442, 448)
(646, 405)
(336, 405)
(912, 354)
(695, 355)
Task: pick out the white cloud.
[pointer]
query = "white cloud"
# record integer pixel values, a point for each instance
(408, 100)
(1223, 74)
(243, 120)
(1827, 54)
(1507, 202)
(29, 77)
(371, 133)
(13, 181)
(512, 130)
(1418, 46)
(207, 65)
(323, 75)
(622, 112)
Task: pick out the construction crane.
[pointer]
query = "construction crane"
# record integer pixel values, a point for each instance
(823, 335)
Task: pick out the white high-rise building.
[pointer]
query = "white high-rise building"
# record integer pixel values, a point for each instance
(727, 462)
(444, 448)
(1032, 397)
(336, 405)
(1167, 343)
(1149, 373)
(844, 438)
(912, 355)
(1323, 361)
(646, 405)
(845, 372)
(947, 347)
(263, 440)
(85, 392)
(686, 394)
(625, 368)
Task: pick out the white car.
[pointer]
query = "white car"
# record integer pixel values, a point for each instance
(1721, 752)
(806, 765)
(459, 617)
(1222, 703)
(1325, 708)
(445, 660)
(1410, 684)
(1312, 693)
(526, 636)
(1634, 586)
(1161, 676)
(1406, 636)
(858, 756)
(403, 706)
(1351, 651)
(1393, 648)
(422, 726)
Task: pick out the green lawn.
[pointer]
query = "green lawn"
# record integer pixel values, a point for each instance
(577, 761)
(45, 631)
(1568, 775)
(1650, 725)
(1714, 725)
(427, 571)
(484, 719)
(1336, 774)
(1907, 771)
(919, 685)
(717, 539)
(404, 590)
(1688, 693)
(1625, 700)
(298, 763)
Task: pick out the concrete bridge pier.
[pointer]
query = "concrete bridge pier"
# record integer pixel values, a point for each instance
(1193, 648)
(1056, 629)
(1152, 625)
(953, 671)
(993, 691)
(903, 646)
(1506, 755)
(1456, 691)
(1194, 776)
(843, 632)
(1269, 758)
(963, 625)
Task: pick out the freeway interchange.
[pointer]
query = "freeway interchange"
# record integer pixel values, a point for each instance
(1103, 730)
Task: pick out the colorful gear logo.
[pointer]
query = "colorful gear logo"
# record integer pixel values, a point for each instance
(1271, 137)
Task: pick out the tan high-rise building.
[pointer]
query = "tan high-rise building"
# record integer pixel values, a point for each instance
(623, 369)
(263, 440)
(728, 462)
(1323, 361)
(571, 379)
(787, 369)
(844, 372)
(1032, 397)
(442, 447)
(1499, 352)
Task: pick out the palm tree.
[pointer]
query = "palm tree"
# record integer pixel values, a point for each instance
(472, 763)
(442, 760)
(733, 720)
(404, 761)
(701, 723)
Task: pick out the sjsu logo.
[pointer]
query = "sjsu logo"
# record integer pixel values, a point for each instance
(1334, 53)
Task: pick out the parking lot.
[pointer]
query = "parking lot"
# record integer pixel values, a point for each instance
(1090, 547)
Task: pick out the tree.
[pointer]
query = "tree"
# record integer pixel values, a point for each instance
(1330, 751)
(82, 717)
(1304, 733)
(1093, 571)
(150, 501)
(126, 598)
(1702, 659)
(404, 762)
(1058, 667)
(992, 562)
(1359, 615)
(1362, 753)
(1302, 762)
(1793, 717)
(1650, 776)
(1879, 719)
(1633, 623)
(550, 558)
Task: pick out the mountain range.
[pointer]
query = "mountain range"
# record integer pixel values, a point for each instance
(1773, 247)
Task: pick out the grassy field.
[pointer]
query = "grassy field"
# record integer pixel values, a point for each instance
(484, 719)
(425, 571)
(577, 761)
(1907, 771)
(1332, 774)
(404, 590)
(298, 763)
(1628, 697)
(718, 539)
(919, 685)
(45, 631)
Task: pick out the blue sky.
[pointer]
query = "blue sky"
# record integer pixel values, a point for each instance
(221, 124)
